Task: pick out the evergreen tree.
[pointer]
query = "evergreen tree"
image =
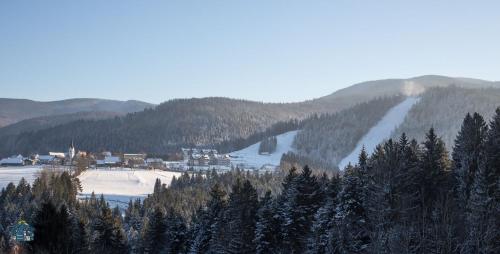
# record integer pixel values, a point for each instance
(467, 155)
(154, 237)
(241, 217)
(52, 228)
(482, 232)
(208, 237)
(304, 196)
(267, 227)
(324, 223)
(484, 221)
(109, 236)
(436, 196)
(176, 235)
(351, 216)
(435, 165)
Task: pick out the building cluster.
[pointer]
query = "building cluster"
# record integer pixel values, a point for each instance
(53, 158)
(193, 159)
(200, 159)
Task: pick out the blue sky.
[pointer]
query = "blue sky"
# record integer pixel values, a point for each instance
(273, 51)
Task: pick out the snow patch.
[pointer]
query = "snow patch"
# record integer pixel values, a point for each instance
(381, 131)
(249, 157)
(14, 175)
(121, 183)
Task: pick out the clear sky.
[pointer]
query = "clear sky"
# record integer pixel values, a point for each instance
(260, 50)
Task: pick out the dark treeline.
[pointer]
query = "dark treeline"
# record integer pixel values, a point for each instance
(406, 197)
(275, 129)
(268, 145)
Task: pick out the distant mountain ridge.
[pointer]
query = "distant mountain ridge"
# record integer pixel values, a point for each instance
(44, 122)
(412, 86)
(15, 110)
(210, 121)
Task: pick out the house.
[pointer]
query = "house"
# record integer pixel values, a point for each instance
(205, 158)
(47, 160)
(13, 161)
(134, 159)
(155, 163)
(58, 155)
(110, 161)
(175, 165)
(224, 160)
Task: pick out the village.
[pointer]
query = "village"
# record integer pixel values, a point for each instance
(193, 159)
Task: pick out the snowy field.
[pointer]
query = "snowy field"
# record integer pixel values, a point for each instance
(381, 131)
(121, 184)
(251, 158)
(14, 174)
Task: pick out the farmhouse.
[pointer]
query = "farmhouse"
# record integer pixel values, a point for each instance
(13, 161)
(134, 159)
(109, 161)
(155, 163)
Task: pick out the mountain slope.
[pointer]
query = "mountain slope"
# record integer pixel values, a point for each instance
(15, 110)
(249, 157)
(380, 131)
(44, 122)
(445, 108)
(329, 138)
(212, 121)
(413, 86)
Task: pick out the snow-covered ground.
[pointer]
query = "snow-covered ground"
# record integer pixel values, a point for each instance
(121, 184)
(14, 174)
(381, 131)
(250, 157)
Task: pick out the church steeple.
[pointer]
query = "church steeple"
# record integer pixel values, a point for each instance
(71, 151)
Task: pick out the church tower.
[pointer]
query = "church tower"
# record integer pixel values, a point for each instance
(71, 151)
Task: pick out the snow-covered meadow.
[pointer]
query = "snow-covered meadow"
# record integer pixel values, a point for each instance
(250, 157)
(122, 184)
(381, 131)
(14, 174)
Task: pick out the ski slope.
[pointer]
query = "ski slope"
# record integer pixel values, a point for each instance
(249, 157)
(14, 174)
(121, 184)
(381, 131)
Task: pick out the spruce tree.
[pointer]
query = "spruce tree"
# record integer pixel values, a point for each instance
(176, 235)
(303, 198)
(109, 236)
(241, 217)
(324, 224)
(435, 166)
(52, 228)
(467, 155)
(208, 237)
(267, 227)
(154, 236)
(485, 198)
(351, 216)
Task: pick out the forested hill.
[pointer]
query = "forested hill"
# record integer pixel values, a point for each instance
(210, 121)
(163, 128)
(44, 122)
(15, 110)
(441, 108)
(329, 138)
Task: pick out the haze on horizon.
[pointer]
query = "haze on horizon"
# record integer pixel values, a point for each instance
(273, 51)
